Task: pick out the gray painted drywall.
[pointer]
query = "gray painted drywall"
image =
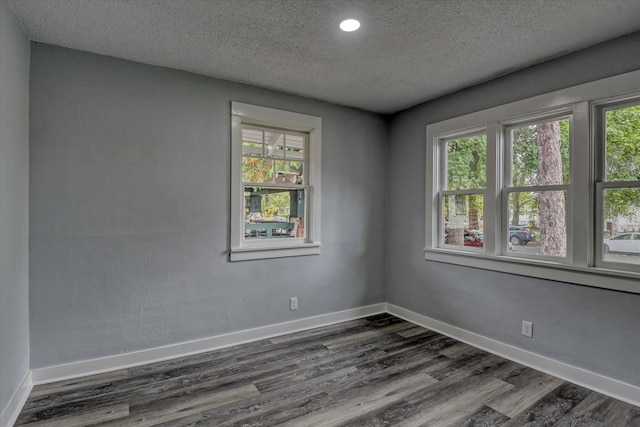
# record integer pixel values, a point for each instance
(130, 210)
(14, 208)
(591, 328)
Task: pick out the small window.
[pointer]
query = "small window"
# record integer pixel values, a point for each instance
(537, 181)
(276, 183)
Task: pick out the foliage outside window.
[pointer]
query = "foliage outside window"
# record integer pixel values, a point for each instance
(462, 193)
(275, 183)
(550, 186)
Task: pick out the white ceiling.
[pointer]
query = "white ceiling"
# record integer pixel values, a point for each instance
(406, 52)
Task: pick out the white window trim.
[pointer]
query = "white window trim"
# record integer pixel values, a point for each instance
(578, 101)
(241, 250)
(598, 110)
(442, 174)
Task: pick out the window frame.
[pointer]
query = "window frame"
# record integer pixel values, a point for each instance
(253, 115)
(507, 176)
(579, 102)
(598, 112)
(443, 182)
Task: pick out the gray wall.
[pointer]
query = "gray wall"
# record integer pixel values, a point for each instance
(591, 328)
(14, 208)
(130, 210)
(129, 218)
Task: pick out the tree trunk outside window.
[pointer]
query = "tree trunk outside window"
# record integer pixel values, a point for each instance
(553, 228)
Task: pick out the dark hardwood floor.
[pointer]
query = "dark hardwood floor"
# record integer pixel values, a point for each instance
(378, 371)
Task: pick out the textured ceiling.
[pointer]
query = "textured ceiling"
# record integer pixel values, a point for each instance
(406, 52)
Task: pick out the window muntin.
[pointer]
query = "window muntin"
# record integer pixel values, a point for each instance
(618, 191)
(276, 158)
(537, 178)
(463, 180)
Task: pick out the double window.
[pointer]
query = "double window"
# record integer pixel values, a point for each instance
(548, 186)
(275, 183)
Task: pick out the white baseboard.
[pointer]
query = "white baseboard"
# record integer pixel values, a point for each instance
(121, 361)
(596, 382)
(602, 384)
(10, 413)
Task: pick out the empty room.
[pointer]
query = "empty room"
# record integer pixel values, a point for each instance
(320, 213)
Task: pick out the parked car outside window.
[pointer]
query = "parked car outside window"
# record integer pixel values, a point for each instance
(478, 233)
(626, 242)
(519, 235)
(470, 239)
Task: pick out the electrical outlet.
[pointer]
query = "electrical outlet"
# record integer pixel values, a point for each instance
(527, 328)
(293, 303)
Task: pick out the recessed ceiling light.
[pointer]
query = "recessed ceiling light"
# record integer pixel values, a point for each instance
(349, 25)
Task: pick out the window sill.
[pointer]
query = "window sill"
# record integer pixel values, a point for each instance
(587, 276)
(266, 252)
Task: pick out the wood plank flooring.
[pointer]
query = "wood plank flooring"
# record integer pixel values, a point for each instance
(377, 371)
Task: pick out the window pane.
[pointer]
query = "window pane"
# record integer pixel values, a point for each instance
(273, 213)
(252, 149)
(257, 169)
(289, 172)
(294, 147)
(250, 135)
(467, 163)
(537, 223)
(540, 154)
(622, 225)
(623, 144)
(463, 215)
(294, 154)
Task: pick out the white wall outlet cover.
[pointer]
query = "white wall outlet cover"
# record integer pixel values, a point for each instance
(527, 328)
